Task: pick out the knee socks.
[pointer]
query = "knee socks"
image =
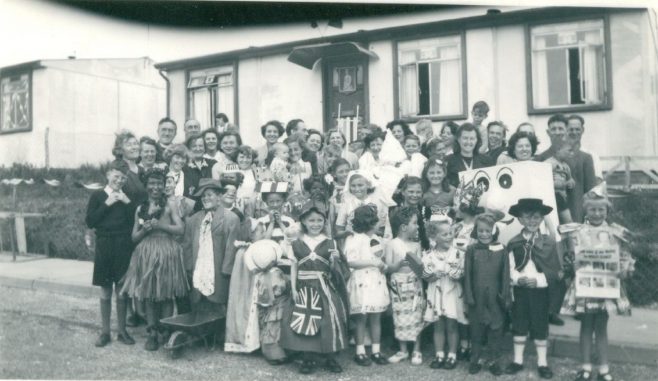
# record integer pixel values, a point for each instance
(519, 347)
(542, 349)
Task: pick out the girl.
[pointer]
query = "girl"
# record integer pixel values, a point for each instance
(368, 294)
(361, 192)
(593, 313)
(156, 274)
(279, 164)
(299, 168)
(439, 194)
(409, 193)
(312, 274)
(486, 291)
(406, 288)
(318, 190)
(245, 159)
(443, 268)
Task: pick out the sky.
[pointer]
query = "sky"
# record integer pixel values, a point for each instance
(36, 29)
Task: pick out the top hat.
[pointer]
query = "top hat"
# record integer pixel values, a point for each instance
(529, 205)
(208, 184)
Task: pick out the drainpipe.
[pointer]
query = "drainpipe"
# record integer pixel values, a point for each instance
(161, 72)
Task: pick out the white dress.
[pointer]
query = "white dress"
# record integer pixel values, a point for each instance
(349, 204)
(444, 295)
(367, 289)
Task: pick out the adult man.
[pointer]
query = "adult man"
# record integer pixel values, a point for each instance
(166, 134)
(575, 129)
(221, 122)
(496, 133)
(296, 126)
(191, 127)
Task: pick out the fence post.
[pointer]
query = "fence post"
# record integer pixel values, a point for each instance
(627, 173)
(47, 148)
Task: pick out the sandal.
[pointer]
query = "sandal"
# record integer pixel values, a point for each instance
(583, 375)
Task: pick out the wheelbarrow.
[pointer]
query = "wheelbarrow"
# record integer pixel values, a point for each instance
(191, 328)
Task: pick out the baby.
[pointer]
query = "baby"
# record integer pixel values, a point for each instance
(279, 165)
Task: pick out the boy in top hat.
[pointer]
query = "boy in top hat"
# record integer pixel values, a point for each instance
(534, 265)
(209, 243)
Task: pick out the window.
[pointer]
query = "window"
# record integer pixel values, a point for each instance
(431, 78)
(15, 103)
(568, 67)
(211, 91)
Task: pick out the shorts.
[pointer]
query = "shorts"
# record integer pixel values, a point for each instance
(530, 312)
(112, 259)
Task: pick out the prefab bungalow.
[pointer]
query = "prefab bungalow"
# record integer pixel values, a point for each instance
(526, 63)
(64, 113)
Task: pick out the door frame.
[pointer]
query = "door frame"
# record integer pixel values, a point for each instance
(327, 85)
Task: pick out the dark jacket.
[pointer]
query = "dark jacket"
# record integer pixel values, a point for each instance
(455, 164)
(543, 253)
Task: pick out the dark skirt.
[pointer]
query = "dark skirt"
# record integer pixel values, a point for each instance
(156, 270)
(332, 335)
(111, 259)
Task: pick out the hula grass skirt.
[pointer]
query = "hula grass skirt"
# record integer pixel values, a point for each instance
(156, 269)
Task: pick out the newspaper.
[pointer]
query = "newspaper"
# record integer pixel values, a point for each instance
(596, 263)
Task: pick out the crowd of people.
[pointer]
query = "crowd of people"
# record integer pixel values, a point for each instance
(305, 247)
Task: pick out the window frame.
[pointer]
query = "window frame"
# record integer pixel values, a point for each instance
(234, 67)
(396, 77)
(607, 103)
(19, 73)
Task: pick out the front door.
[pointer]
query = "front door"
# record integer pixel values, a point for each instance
(345, 89)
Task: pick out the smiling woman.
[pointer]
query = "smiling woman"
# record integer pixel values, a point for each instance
(465, 153)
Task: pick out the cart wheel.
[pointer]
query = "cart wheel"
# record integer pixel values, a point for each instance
(175, 344)
(176, 353)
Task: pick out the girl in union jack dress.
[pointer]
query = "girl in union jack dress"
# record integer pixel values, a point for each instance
(316, 320)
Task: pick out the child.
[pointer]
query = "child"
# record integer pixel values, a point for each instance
(318, 190)
(110, 214)
(156, 274)
(479, 113)
(360, 192)
(331, 153)
(443, 268)
(299, 169)
(311, 274)
(593, 313)
(415, 160)
(439, 194)
(406, 288)
(368, 294)
(275, 224)
(339, 171)
(245, 159)
(534, 265)
(409, 193)
(279, 164)
(486, 291)
(562, 181)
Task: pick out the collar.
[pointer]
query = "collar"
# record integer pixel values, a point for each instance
(520, 239)
(192, 164)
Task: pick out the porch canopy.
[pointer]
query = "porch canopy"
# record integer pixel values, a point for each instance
(308, 55)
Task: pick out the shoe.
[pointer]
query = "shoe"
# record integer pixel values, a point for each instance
(513, 368)
(151, 343)
(474, 368)
(278, 362)
(132, 321)
(103, 340)
(545, 372)
(416, 358)
(399, 356)
(333, 366)
(378, 358)
(362, 359)
(495, 369)
(555, 320)
(604, 377)
(125, 338)
(464, 354)
(307, 367)
(583, 375)
(450, 364)
(438, 362)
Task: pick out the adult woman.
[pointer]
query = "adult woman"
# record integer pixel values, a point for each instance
(465, 153)
(313, 153)
(335, 136)
(399, 129)
(441, 146)
(424, 130)
(370, 158)
(228, 147)
(211, 140)
(522, 146)
(272, 132)
(197, 167)
(126, 148)
(148, 154)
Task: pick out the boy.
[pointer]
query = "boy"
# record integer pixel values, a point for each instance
(534, 265)
(479, 113)
(110, 214)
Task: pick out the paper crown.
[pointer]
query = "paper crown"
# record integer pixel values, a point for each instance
(272, 187)
(231, 168)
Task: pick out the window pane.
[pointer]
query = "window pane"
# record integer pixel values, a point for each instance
(558, 83)
(15, 93)
(408, 91)
(200, 106)
(225, 101)
(423, 89)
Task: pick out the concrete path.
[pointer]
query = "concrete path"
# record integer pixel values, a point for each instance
(632, 339)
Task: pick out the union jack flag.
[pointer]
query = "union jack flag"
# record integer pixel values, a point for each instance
(307, 312)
